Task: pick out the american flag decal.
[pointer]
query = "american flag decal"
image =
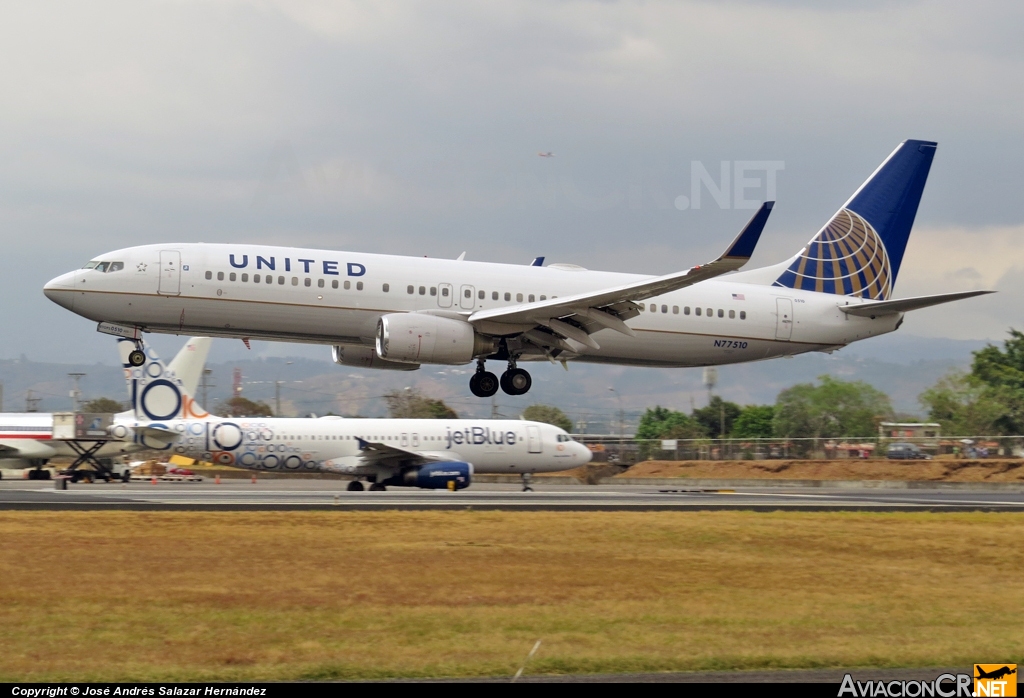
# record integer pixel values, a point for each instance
(738, 297)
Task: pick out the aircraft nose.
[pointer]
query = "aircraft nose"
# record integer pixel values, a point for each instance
(60, 290)
(586, 454)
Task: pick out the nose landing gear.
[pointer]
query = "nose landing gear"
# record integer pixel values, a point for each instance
(137, 356)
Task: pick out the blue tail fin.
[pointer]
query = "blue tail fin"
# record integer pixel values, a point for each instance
(859, 251)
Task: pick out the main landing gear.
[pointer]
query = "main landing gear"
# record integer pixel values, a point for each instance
(527, 479)
(514, 381)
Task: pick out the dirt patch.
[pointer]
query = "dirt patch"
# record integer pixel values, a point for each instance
(991, 470)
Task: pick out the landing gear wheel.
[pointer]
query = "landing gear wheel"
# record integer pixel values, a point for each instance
(44, 474)
(483, 384)
(516, 381)
(355, 486)
(126, 477)
(527, 478)
(377, 487)
(136, 357)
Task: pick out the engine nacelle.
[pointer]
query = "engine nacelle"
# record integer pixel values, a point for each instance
(430, 339)
(436, 476)
(365, 357)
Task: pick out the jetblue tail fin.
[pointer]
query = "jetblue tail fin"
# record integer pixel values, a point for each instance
(156, 392)
(859, 251)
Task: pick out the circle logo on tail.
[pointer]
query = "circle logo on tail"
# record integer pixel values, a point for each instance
(160, 400)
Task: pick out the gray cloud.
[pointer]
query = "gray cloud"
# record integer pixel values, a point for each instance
(414, 128)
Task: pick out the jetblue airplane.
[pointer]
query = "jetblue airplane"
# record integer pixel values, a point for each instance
(26, 438)
(393, 312)
(426, 453)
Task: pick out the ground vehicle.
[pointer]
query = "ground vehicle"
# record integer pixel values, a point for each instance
(905, 451)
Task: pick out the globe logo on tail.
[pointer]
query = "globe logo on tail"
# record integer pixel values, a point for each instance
(846, 258)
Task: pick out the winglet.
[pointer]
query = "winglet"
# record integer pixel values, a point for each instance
(363, 444)
(743, 246)
(537, 262)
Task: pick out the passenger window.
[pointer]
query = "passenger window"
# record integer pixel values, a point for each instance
(444, 291)
(232, 276)
(387, 287)
(519, 298)
(348, 284)
(467, 293)
(245, 277)
(255, 278)
(710, 312)
(642, 307)
(220, 276)
(543, 298)
(433, 290)
(481, 295)
(675, 309)
(508, 296)
(664, 308)
(721, 313)
(115, 266)
(295, 281)
(269, 278)
(423, 291)
(654, 308)
(320, 283)
(209, 275)
(743, 315)
(494, 295)
(334, 283)
(530, 298)
(686, 310)
(697, 311)
(410, 290)
(359, 285)
(308, 282)
(732, 314)
(280, 281)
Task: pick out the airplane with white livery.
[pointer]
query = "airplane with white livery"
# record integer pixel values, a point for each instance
(425, 453)
(395, 312)
(26, 438)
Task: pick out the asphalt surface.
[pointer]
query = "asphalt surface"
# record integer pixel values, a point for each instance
(299, 494)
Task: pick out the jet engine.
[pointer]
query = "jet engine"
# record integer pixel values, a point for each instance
(430, 339)
(436, 476)
(365, 357)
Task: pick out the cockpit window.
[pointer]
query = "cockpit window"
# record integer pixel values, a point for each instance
(564, 437)
(102, 266)
(91, 265)
(115, 266)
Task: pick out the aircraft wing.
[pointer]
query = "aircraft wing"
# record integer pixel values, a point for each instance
(902, 305)
(578, 316)
(157, 434)
(375, 453)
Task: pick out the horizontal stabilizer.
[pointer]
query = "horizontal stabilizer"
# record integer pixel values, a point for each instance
(902, 305)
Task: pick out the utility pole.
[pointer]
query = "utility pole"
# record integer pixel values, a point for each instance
(277, 398)
(76, 394)
(1, 396)
(622, 422)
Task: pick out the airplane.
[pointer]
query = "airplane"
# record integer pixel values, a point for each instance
(26, 438)
(425, 453)
(397, 313)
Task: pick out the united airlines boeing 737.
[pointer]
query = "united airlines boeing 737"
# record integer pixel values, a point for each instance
(392, 312)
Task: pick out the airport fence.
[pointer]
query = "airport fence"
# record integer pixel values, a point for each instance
(626, 450)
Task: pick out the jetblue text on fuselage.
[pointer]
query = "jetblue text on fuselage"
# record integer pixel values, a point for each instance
(481, 435)
(270, 264)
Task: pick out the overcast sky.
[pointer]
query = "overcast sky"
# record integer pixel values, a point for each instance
(415, 128)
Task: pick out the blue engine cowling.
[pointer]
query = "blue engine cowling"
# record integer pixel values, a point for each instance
(436, 476)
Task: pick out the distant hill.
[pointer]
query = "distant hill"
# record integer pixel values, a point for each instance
(901, 366)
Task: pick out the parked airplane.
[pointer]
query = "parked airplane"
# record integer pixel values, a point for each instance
(428, 453)
(26, 438)
(391, 312)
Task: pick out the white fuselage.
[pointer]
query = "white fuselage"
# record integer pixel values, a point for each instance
(333, 443)
(331, 297)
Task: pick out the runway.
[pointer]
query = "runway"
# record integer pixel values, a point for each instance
(299, 494)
